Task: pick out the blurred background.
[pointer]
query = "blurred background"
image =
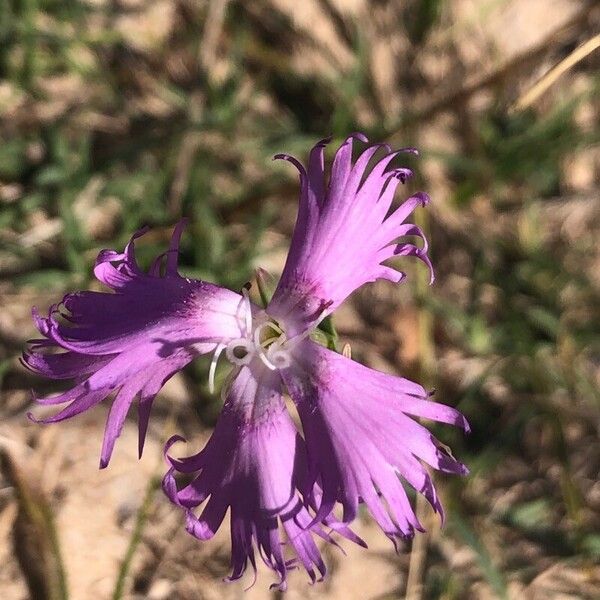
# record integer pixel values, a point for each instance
(119, 113)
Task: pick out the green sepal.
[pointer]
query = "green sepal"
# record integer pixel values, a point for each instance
(266, 284)
(327, 328)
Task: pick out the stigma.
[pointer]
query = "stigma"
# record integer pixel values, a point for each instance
(263, 337)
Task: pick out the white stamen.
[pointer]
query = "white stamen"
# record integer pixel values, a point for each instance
(213, 367)
(248, 315)
(246, 346)
(323, 314)
(261, 351)
(227, 383)
(279, 358)
(265, 359)
(293, 342)
(258, 331)
(273, 347)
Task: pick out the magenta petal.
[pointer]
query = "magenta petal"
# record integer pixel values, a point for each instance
(362, 444)
(66, 365)
(116, 418)
(253, 464)
(131, 340)
(341, 230)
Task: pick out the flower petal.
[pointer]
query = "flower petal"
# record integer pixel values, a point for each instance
(361, 442)
(343, 232)
(131, 340)
(254, 464)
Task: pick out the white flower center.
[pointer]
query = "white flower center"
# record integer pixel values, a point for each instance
(263, 337)
(266, 340)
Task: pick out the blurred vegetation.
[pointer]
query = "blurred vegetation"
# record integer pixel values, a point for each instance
(116, 114)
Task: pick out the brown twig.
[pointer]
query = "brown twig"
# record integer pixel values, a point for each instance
(212, 31)
(498, 75)
(547, 80)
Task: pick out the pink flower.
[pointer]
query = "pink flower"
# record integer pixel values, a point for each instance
(360, 442)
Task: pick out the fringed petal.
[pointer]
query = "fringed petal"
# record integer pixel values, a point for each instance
(362, 444)
(341, 229)
(253, 465)
(130, 341)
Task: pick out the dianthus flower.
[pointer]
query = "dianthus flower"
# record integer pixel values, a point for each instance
(359, 442)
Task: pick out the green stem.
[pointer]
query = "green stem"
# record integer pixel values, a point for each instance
(136, 537)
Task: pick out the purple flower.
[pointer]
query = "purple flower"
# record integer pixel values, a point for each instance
(360, 442)
(133, 340)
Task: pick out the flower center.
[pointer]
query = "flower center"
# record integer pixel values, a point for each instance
(270, 333)
(267, 340)
(264, 338)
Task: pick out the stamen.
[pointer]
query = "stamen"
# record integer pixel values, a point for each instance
(268, 340)
(225, 387)
(322, 314)
(233, 351)
(293, 342)
(261, 351)
(213, 367)
(259, 330)
(279, 358)
(262, 355)
(248, 311)
(321, 318)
